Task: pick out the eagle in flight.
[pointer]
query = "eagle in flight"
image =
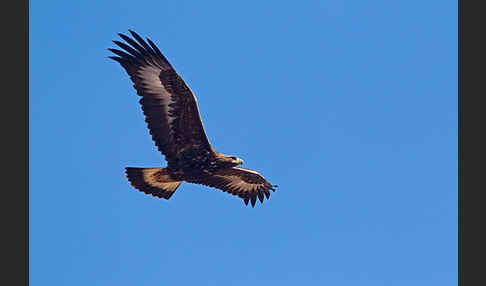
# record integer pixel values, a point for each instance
(172, 115)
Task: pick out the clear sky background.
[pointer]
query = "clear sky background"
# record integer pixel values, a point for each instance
(349, 106)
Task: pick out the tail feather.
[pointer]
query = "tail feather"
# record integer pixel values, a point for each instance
(152, 181)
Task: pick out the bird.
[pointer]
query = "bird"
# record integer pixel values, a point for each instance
(174, 122)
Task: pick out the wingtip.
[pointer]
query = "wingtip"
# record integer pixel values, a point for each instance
(118, 43)
(253, 201)
(260, 196)
(267, 194)
(133, 33)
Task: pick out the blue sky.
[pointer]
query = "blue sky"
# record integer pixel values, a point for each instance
(349, 106)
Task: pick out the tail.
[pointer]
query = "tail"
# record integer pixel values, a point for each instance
(152, 181)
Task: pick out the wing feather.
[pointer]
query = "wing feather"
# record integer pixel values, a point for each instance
(169, 106)
(244, 183)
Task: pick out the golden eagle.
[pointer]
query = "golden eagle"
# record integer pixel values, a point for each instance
(174, 122)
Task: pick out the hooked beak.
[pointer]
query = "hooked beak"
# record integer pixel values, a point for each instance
(238, 161)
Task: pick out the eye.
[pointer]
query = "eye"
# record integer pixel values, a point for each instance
(233, 157)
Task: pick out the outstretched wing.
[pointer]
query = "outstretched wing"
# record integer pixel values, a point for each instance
(169, 105)
(244, 183)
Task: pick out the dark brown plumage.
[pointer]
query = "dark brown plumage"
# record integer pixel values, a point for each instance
(172, 115)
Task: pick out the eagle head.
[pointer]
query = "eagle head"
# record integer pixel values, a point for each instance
(236, 160)
(227, 161)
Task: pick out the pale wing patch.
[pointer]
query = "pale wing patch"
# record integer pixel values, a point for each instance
(151, 84)
(235, 182)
